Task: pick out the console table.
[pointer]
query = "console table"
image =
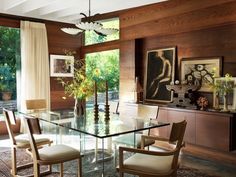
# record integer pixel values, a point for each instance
(211, 129)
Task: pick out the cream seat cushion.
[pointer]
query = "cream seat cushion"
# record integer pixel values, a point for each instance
(149, 163)
(22, 140)
(128, 139)
(58, 153)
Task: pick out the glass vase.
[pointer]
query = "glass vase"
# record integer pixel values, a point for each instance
(80, 107)
(225, 109)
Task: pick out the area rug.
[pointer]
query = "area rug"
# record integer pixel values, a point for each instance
(89, 165)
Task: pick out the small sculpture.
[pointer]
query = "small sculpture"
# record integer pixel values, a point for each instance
(181, 90)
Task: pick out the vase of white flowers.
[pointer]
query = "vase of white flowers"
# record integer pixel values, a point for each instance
(223, 88)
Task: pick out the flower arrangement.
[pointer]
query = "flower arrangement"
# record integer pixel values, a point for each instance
(80, 86)
(202, 102)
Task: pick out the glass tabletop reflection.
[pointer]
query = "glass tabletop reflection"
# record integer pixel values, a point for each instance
(117, 125)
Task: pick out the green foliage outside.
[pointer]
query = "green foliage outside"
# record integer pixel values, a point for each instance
(9, 52)
(92, 38)
(104, 66)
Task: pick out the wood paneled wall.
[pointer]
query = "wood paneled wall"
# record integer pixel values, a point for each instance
(58, 42)
(197, 29)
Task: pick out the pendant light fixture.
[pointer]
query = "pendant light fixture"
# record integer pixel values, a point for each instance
(89, 25)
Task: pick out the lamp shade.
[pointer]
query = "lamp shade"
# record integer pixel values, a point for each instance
(88, 25)
(71, 31)
(107, 31)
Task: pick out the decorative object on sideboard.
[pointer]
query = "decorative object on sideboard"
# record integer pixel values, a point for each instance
(201, 71)
(138, 90)
(202, 102)
(160, 71)
(225, 93)
(181, 90)
(89, 25)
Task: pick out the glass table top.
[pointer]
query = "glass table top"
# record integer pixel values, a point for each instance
(117, 125)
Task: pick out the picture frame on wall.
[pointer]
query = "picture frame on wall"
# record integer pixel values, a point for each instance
(61, 66)
(231, 97)
(160, 71)
(201, 71)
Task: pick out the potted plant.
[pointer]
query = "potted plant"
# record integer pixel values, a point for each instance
(7, 82)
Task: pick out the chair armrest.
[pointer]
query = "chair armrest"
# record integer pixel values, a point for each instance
(152, 138)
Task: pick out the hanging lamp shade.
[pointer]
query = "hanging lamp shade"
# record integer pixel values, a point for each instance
(71, 31)
(89, 25)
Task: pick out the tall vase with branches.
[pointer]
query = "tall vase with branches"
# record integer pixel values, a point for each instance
(79, 87)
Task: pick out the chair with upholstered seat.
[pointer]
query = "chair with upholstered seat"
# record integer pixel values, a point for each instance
(144, 112)
(55, 154)
(21, 141)
(154, 163)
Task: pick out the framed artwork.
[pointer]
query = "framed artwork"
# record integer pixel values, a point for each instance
(231, 97)
(201, 71)
(61, 66)
(160, 71)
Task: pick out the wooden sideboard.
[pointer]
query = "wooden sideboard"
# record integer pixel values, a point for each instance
(209, 129)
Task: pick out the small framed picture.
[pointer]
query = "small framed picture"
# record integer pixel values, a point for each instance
(61, 66)
(201, 71)
(231, 96)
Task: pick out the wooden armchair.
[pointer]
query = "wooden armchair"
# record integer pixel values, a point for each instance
(52, 154)
(144, 111)
(153, 163)
(22, 141)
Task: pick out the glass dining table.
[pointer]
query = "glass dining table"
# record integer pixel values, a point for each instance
(100, 132)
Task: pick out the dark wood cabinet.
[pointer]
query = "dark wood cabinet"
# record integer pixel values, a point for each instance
(214, 130)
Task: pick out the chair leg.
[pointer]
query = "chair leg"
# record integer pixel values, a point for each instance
(175, 174)
(36, 170)
(61, 169)
(121, 174)
(79, 168)
(115, 154)
(13, 154)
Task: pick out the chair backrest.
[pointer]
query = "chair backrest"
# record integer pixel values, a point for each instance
(36, 104)
(177, 133)
(32, 142)
(114, 105)
(10, 120)
(148, 111)
(176, 137)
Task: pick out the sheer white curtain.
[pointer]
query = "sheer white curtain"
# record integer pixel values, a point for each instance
(35, 81)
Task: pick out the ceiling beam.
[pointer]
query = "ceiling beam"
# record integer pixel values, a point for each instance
(30, 6)
(56, 6)
(9, 4)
